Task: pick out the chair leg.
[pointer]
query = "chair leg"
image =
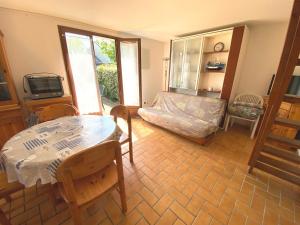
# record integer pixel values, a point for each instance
(123, 195)
(52, 195)
(3, 219)
(227, 122)
(130, 151)
(254, 128)
(76, 214)
(232, 122)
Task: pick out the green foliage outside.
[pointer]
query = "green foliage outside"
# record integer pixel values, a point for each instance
(107, 74)
(108, 78)
(108, 48)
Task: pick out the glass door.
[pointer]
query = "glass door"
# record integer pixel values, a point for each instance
(82, 65)
(177, 63)
(130, 70)
(103, 71)
(191, 64)
(4, 90)
(107, 72)
(7, 90)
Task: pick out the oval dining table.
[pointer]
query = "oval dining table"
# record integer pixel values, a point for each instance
(35, 153)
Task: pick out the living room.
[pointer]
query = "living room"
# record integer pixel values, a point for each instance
(197, 95)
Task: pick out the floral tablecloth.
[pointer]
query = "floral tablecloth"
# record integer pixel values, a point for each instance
(35, 153)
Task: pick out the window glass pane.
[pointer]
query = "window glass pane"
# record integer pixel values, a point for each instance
(294, 87)
(83, 70)
(4, 92)
(130, 73)
(176, 64)
(2, 77)
(107, 72)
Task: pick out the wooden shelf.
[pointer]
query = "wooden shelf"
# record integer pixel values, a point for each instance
(298, 62)
(202, 90)
(213, 71)
(212, 52)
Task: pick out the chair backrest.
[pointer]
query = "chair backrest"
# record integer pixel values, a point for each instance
(249, 99)
(121, 111)
(86, 163)
(55, 111)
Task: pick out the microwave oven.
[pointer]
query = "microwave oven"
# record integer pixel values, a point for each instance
(43, 85)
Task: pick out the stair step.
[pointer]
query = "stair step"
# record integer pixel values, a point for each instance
(291, 98)
(281, 153)
(280, 164)
(287, 122)
(291, 142)
(277, 172)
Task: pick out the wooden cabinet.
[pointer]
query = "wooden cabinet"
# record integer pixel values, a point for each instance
(31, 106)
(11, 122)
(11, 117)
(34, 105)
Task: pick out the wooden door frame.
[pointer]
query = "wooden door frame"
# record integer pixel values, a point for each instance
(170, 55)
(63, 29)
(232, 62)
(133, 109)
(119, 68)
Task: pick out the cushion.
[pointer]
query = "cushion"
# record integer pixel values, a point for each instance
(248, 104)
(245, 111)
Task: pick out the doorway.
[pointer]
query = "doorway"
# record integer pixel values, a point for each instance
(103, 71)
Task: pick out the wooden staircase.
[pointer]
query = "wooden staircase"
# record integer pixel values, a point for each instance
(274, 154)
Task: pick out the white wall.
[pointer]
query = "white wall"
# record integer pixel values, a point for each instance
(33, 45)
(264, 48)
(152, 69)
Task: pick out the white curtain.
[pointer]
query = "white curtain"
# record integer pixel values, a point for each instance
(130, 73)
(82, 64)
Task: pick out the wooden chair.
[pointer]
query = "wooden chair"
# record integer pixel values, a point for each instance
(122, 111)
(55, 111)
(6, 189)
(87, 175)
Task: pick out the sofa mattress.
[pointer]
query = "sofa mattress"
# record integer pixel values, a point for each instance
(185, 125)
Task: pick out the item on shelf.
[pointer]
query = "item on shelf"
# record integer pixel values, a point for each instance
(215, 66)
(219, 47)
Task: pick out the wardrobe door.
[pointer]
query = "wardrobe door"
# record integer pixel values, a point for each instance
(191, 63)
(177, 57)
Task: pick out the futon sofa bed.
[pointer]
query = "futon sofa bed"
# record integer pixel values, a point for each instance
(194, 117)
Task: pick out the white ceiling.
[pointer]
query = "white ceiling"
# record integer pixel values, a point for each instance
(159, 19)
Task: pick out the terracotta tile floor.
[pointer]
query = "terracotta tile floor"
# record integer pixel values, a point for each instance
(175, 181)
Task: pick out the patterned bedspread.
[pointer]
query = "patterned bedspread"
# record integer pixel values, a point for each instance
(193, 116)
